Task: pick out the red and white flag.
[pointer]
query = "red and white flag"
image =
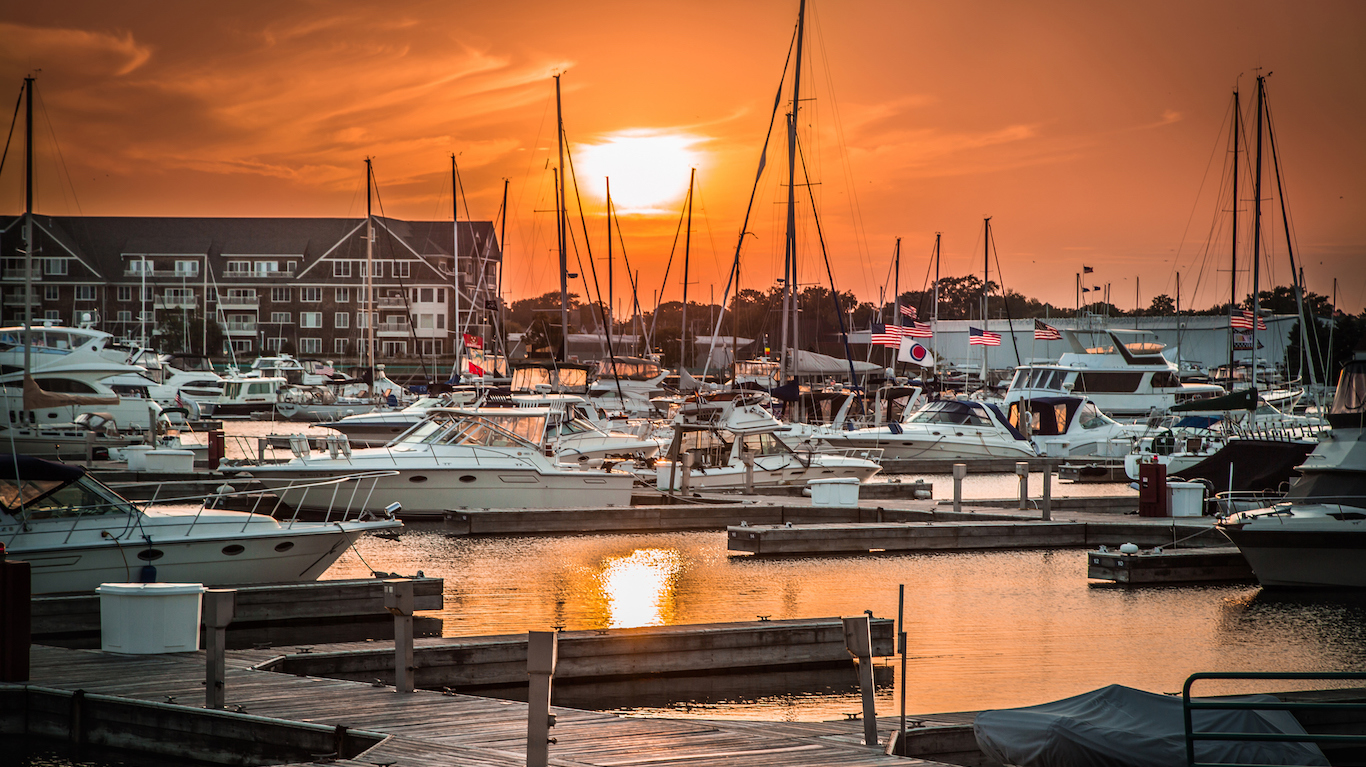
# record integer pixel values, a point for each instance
(908, 311)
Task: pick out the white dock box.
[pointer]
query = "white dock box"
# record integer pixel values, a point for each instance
(1186, 499)
(136, 456)
(149, 618)
(841, 492)
(169, 460)
(662, 470)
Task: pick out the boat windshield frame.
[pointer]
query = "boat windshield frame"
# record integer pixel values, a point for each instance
(478, 429)
(83, 496)
(951, 412)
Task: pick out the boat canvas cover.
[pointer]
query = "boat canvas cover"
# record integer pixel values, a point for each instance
(1119, 726)
(805, 363)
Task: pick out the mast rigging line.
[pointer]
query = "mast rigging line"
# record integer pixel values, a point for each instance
(13, 122)
(834, 293)
(1005, 300)
(403, 289)
(664, 283)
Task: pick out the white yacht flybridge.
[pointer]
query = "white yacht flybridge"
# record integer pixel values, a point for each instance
(627, 385)
(1122, 371)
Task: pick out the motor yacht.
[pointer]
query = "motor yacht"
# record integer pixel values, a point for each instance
(77, 533)
(1072, 427)
(942, 429)
(453, 459)
(381, 425)
(718, 430)
(1124, 374)
(1316, 535)
(628, 385)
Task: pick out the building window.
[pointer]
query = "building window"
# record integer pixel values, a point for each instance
(240, 345)
(125, 292)
(427, 295)
(311, 295)
(441, 321)
(343, 295)
(310, 319)
(441, 295)
(211, 293)
(238, 268)
(431, 346)
(187, 268)
(361, 295)
(360, 321)
(426, 321)
(281, 318)
(401, 268)
(341, 268)
(55, 266)
(125, 316)
(341, 320)
(147, 292)
(85, 292)
(51, 292)
(395, 348)
(279, 295)
(267, 268)
(51, 314)
(310, 346)
(274, 344)
(339, 345)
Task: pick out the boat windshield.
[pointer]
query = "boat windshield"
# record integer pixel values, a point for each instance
(511, 430)
(764, 444)
(570, 427)
(950, 412)
(50, 499)
(1039, 378)
(1349, 402)
(628, 368)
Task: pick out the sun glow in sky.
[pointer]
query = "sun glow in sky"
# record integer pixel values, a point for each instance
(1085, 130)
(647, 169)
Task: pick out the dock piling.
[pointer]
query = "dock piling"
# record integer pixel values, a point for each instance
(747, 458)
(220, 605)
(960, 470)
(858, 638)
(1022, 469)
(1047, 493)
(686, 480)
(398, 600)
(541, 657)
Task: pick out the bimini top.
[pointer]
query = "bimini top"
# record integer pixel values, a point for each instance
(37, 470)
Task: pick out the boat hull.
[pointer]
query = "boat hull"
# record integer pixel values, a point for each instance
(1304, 559)
(905, 447)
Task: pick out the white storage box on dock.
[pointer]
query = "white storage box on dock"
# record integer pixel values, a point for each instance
(1186, 499)
(842, 492)
(1057, 448)
(169, 460)
(662, 470)
(149, 618)
(136, 456)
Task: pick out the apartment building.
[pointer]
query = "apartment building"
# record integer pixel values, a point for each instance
(265, 285)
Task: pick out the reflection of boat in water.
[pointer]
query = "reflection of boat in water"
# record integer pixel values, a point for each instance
(1316, 536)
(484, 458)
(76, 533)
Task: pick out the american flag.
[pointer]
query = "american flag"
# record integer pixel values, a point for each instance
(918, 330)
(886, 335)
(908, 311)
(1043, 332)
(978, 337)
(1243, 321)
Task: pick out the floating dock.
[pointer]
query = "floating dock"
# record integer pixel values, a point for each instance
(849, 538)
(463, 663)
(292, 613)
(1216, 563)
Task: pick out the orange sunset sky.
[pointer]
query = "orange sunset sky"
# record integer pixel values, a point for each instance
(1090, 132)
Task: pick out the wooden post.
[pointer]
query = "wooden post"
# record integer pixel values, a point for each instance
(960, 470)
(1022, 469)
(398, 600)
(747, 458)
(89, 448)
(1047, 492)
(858, 638)
(219, 608)
(685, 480)
(542, 652)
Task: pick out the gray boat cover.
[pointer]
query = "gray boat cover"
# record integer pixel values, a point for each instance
(1119, 726)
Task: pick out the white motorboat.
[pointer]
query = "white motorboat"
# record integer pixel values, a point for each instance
(718, 430)
(1123, 378)
(179, 380)
(1316, 535)
(378, 427)
(1073, 427)
(76, 533)
(244, 395)
(943, 429)
(312, 404)
(480, 458)
(627, 385)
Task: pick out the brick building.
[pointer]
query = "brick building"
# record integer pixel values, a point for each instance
(295, 285)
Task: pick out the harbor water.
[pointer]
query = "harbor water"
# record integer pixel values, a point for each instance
(985, 629)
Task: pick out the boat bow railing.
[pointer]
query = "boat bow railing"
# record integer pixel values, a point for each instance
(341, 498)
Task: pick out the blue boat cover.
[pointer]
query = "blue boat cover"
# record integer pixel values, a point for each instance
(1119, 726)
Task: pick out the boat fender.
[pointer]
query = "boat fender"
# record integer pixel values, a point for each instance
(148, 574)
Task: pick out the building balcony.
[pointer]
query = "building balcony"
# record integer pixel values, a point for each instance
(391, 329)
(18, 274)
(238, 302)
(389, 302)
(241, 328)
(129, 271)
(175, 302)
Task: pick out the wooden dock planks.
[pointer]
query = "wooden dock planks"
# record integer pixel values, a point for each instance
(437, 729)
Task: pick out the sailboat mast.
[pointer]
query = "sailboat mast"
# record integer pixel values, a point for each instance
(1257, 229)
(1178, 323)
(896, 300)
(562, 226)
(986, 278)
(28, 223)
(790, 246)
(370, 318)
(687, 247)
(610, 305)
(1233, 258)
(455, 251)
(934, 332)
(502, 307)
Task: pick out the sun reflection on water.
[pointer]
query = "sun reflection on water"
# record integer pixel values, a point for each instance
(637, 586)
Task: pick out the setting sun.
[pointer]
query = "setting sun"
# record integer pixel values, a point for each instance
(648, 169)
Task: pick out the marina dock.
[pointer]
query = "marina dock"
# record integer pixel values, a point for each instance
(421, 729)
(1215, 563)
